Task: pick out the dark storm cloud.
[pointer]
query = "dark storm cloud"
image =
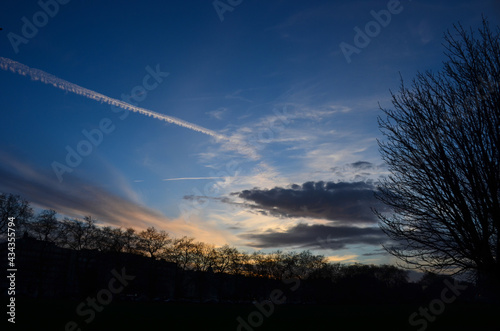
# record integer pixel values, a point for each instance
(344, 203)
(362, 165)
(317, 237)
(359, 169)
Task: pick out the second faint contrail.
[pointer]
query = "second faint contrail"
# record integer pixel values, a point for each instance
(44, 77)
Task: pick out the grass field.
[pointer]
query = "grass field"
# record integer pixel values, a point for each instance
(54, 315)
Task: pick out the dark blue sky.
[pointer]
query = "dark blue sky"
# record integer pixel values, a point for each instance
(271, 78)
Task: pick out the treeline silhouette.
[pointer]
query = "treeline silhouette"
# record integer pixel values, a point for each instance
(319, 279)
(186, 252)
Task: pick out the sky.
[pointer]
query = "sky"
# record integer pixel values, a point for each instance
(248, 123)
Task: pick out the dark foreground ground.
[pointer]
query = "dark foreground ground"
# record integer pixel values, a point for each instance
(54, 315)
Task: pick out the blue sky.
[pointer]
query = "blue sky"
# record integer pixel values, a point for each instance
(299, 160)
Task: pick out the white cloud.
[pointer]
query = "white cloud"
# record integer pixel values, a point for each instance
(218, 113)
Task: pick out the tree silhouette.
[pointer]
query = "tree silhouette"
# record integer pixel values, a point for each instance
(110, 239)
(46, 227)
(182, 252)
(443, 153)
(79, 234)
(14, 206)
(204, 256)
(153, 242)
(229, 259)
(130, 240)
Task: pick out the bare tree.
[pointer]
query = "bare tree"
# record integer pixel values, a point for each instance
(130, 240)
(80, 234)
(14, 206)
(301, 265)
(204, 256)
(182, 252)
(264, 265)
(442, 148)
(229, 260)
(153, 242)
(46, 227)
(110, 239)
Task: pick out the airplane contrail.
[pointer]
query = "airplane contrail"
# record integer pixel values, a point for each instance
(191, 178)
(44, 77)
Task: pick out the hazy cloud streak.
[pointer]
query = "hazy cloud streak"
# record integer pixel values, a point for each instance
(191, 178)
(306, 236)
